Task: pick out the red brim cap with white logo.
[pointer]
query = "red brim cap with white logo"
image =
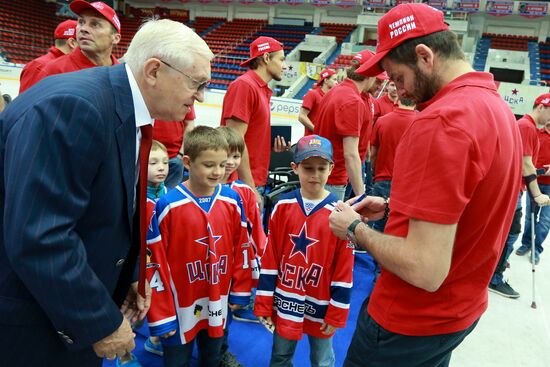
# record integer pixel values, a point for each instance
(105, 10)
(403, 22)
(262, 45)
(543, 99)
(327, 73)
(65, 30)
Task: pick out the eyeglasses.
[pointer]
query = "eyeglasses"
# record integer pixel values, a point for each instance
(198, 86)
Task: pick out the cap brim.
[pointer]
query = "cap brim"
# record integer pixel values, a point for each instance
(371, 67)
(315, 154)
(77, 6)
(245, 63)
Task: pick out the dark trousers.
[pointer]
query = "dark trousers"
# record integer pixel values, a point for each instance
(374, 346)
(180, 355)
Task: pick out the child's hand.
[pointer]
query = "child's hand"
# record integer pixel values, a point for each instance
(328, 329)
(268, 323)
(235, 307)
(168, 334)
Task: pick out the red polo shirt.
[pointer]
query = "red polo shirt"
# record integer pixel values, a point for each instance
(74, 61)
(529, 139)
(386, 136)
(342, 114)
(248, 99)
(312, 102)
(544, 155)
(171, 133)
(29, 74)
(366, 127)
(454, 165)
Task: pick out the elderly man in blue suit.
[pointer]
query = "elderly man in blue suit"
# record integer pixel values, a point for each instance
(69, 240)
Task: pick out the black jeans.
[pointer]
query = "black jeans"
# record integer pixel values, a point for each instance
(180, 355)
(374, 346)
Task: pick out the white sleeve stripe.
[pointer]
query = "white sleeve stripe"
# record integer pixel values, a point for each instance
(269, 271)
(240, 293)
(339, 305)
(264, 293)
(163, 321)
(341, 284)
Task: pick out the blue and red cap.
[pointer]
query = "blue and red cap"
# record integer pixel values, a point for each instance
(313, 146)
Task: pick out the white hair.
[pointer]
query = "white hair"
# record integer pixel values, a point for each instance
(167, 40)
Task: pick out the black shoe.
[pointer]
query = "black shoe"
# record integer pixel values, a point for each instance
(504, 290)
(229, 360)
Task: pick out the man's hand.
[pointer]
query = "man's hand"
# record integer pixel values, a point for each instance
(135, 307)
(279, 144)
(168, 334)
(235, 307)
(371, 207)
(340, 219)
(117, 344)
(542, 200)
(327, 329)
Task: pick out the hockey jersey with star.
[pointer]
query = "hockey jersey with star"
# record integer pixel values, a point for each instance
(306, 275)
(197, 247)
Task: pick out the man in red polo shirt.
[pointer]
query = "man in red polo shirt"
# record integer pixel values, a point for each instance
(343, 119)
(448, 220)
(311, 103)
(98, 30)
(542, 214)
(65, 43)
(388, 101)
(530, 142)
(171, 134)
(386, 135)
(246, 108)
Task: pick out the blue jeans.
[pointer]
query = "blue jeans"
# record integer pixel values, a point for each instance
(374, 346)
(513, 235)
(175, 173)
(382, 189)
(180, 355)
(542, 223)
(338, 190)
(321, 353)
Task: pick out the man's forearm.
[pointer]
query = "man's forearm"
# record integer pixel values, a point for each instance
(304, 120)
(528, 169)
(353, 168)
(245, 173)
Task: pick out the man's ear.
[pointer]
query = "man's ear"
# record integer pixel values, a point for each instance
(151, 69)
(425, 57)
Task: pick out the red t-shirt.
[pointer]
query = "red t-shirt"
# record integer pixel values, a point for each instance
(74, 61)
(366, 127)
(171, 133)
(341, 115)
(29, 74)
(454, 165)
(529, 139)
(544, 155)
(386, 136)
(312, 102)
(385, 105)
(248, 99)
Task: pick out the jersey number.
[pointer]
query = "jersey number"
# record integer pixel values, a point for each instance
(156, 282)
(246, 265)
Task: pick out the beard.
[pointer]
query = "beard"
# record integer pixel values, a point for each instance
(425, 87)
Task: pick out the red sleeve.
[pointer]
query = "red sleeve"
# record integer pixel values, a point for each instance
(437, 168)
(241, 285)
(162, 314)
(269, 271)
(340, 285)
(28, 76)
(529, 139)
(309, 100)
(239, 102)
(349, 118)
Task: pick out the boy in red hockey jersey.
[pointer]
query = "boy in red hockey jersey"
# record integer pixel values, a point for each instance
(197, 243)
(306, 276)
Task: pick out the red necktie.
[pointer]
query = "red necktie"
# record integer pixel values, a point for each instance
(144, 149)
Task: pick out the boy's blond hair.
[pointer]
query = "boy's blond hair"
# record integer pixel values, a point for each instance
(203, 138)
(234, 139)
(157, 145)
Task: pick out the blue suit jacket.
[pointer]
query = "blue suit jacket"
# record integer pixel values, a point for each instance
(67, 161)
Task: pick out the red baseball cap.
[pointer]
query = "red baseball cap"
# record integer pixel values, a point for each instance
(543, 99)
(262, 45)
(383, 76)
(363, 56)
(105, 10)
(401, 23)
(327, 73)
(66, 29)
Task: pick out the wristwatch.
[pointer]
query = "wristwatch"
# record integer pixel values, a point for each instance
(351, 230)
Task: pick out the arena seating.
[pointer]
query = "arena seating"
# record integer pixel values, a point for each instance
(544, 54)
(509, 42)
(340, 31)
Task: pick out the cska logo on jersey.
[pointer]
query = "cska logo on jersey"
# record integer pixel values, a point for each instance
(197, 311)
(301, 242)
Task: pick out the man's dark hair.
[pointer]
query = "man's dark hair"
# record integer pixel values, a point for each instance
(60, 42)
(407, 102)
(253, 65)
(351, 74)
(443, 43)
